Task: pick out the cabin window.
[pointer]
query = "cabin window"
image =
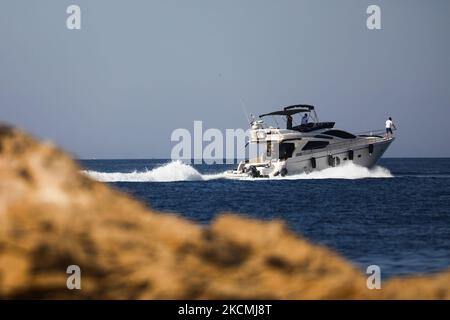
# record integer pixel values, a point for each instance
(269, 148)
(340, 134)
(286, 150)
(323, 137)
(311, 145)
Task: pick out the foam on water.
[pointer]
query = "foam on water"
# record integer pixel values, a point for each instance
(179, 171)
(349, 171)
(169, 172)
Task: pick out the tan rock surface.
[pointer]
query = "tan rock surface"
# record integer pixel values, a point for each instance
(52, 216)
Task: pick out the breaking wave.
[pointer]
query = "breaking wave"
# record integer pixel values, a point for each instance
(179, 171)
(170, 172)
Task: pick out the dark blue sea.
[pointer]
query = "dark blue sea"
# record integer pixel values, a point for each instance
(396, 216)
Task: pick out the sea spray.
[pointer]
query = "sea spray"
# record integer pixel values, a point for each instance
(349, 171)
(169, 172)
(179, 171)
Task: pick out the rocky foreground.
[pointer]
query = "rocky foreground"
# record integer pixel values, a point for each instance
(51, 216)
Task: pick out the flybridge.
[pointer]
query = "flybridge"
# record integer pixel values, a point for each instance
(312, 123)
(291, 110)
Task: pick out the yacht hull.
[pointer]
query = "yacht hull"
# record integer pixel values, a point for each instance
(362, 154)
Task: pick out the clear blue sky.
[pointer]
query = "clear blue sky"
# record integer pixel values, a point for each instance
(139, 69)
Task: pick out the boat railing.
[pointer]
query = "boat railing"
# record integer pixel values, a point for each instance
(377, 132)
(375, 135)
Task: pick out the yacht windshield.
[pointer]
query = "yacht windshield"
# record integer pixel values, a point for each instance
(289, 121)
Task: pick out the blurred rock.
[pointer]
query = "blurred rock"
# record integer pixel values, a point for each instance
(52, 216)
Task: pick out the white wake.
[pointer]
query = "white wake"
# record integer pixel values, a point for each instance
(170, 172)
(349, 171)
(179, 171)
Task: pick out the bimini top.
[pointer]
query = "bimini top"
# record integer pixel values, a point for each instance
(291, 110)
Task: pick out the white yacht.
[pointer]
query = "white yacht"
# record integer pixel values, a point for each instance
(309, 146)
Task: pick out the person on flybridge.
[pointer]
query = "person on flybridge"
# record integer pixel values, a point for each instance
(305, 119)
(389, 126)
(289, 122)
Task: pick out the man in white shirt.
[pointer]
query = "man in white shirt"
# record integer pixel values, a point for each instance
(389, 126)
